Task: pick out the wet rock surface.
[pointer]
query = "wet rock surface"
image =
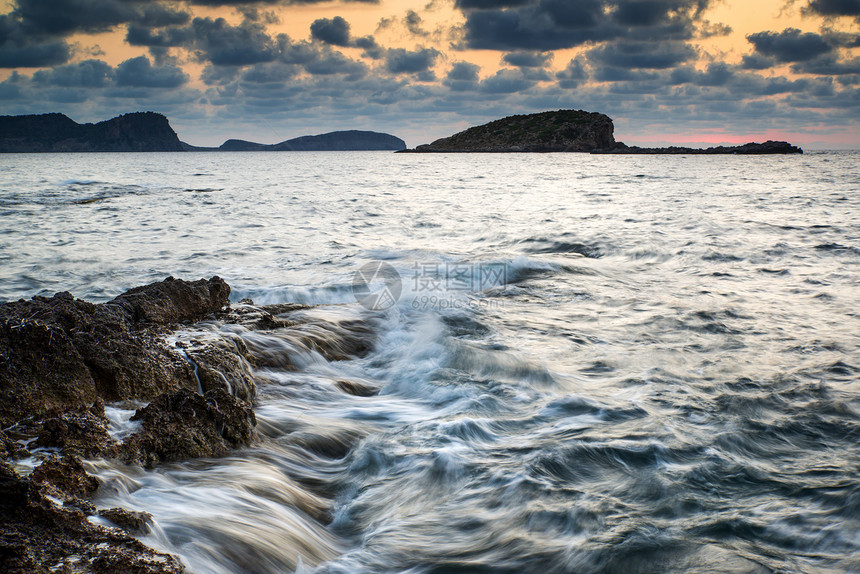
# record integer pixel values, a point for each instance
(60, 352)
(185, 425)
(38, 536)
(130, 520)
(65, 478)
(80, 431)
(10, 448)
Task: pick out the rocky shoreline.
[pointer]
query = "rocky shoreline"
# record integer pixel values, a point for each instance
(769, 147)
(64, 358)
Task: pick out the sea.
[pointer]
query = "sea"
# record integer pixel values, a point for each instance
(578, 363)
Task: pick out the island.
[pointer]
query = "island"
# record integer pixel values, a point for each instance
(569, 131)
(151, 132)
(348, 140)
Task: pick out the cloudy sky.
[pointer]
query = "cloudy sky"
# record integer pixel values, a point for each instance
(679, 71)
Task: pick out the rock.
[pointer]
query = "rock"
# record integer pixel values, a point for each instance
(174, 300)
(142, 131)
(10, 448)
(752, 148)
(59, 352)
(80, 431)
(185, 425)
(130, 520)
(37, 536)
(224, 365)
(40, 368)
(356, 388)
(65, 478)
(557, 131)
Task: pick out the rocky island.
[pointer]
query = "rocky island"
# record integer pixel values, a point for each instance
(569, 131)
(558, 131)
(62, 359)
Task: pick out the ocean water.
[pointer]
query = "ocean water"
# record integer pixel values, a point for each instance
(583, 363)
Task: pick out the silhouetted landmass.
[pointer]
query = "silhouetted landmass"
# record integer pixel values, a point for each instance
(351, 140)
(570, 131)
(149, 131)
(752, 148)
(558, 131)
(141, 131)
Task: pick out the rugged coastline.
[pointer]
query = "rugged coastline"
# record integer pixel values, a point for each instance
(45, 133)
(158, 348)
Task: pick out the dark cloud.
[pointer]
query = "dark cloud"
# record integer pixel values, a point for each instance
(334, 31)
(371, 49)
(573, 75)
(271, 73)
(708, 29)
(546, 26)
(489, 4)
(86, 74)
(158, 16)
(140, 73)
(555, 24)
(219, 75)
(757, 62)
(24, 53)
(300, 53)
(400, 61)
(642, 55)
(61, 17)
(464, 72)
(613, 74)
(790, 45)
(827, 65)
(841, 39)
(165, 38)
(414, 23)
(329, 62)
(718, 74)
(241, 3)
(834, 7)
(506, 81)
(528, 59)
(18, 49)
(462, 77)
(640, 13)
(225, 45)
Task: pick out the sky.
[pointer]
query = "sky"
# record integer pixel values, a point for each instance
(693, 72)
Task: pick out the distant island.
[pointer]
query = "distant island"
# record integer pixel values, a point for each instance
(569, 131)
(151, 132)
(350, 140)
